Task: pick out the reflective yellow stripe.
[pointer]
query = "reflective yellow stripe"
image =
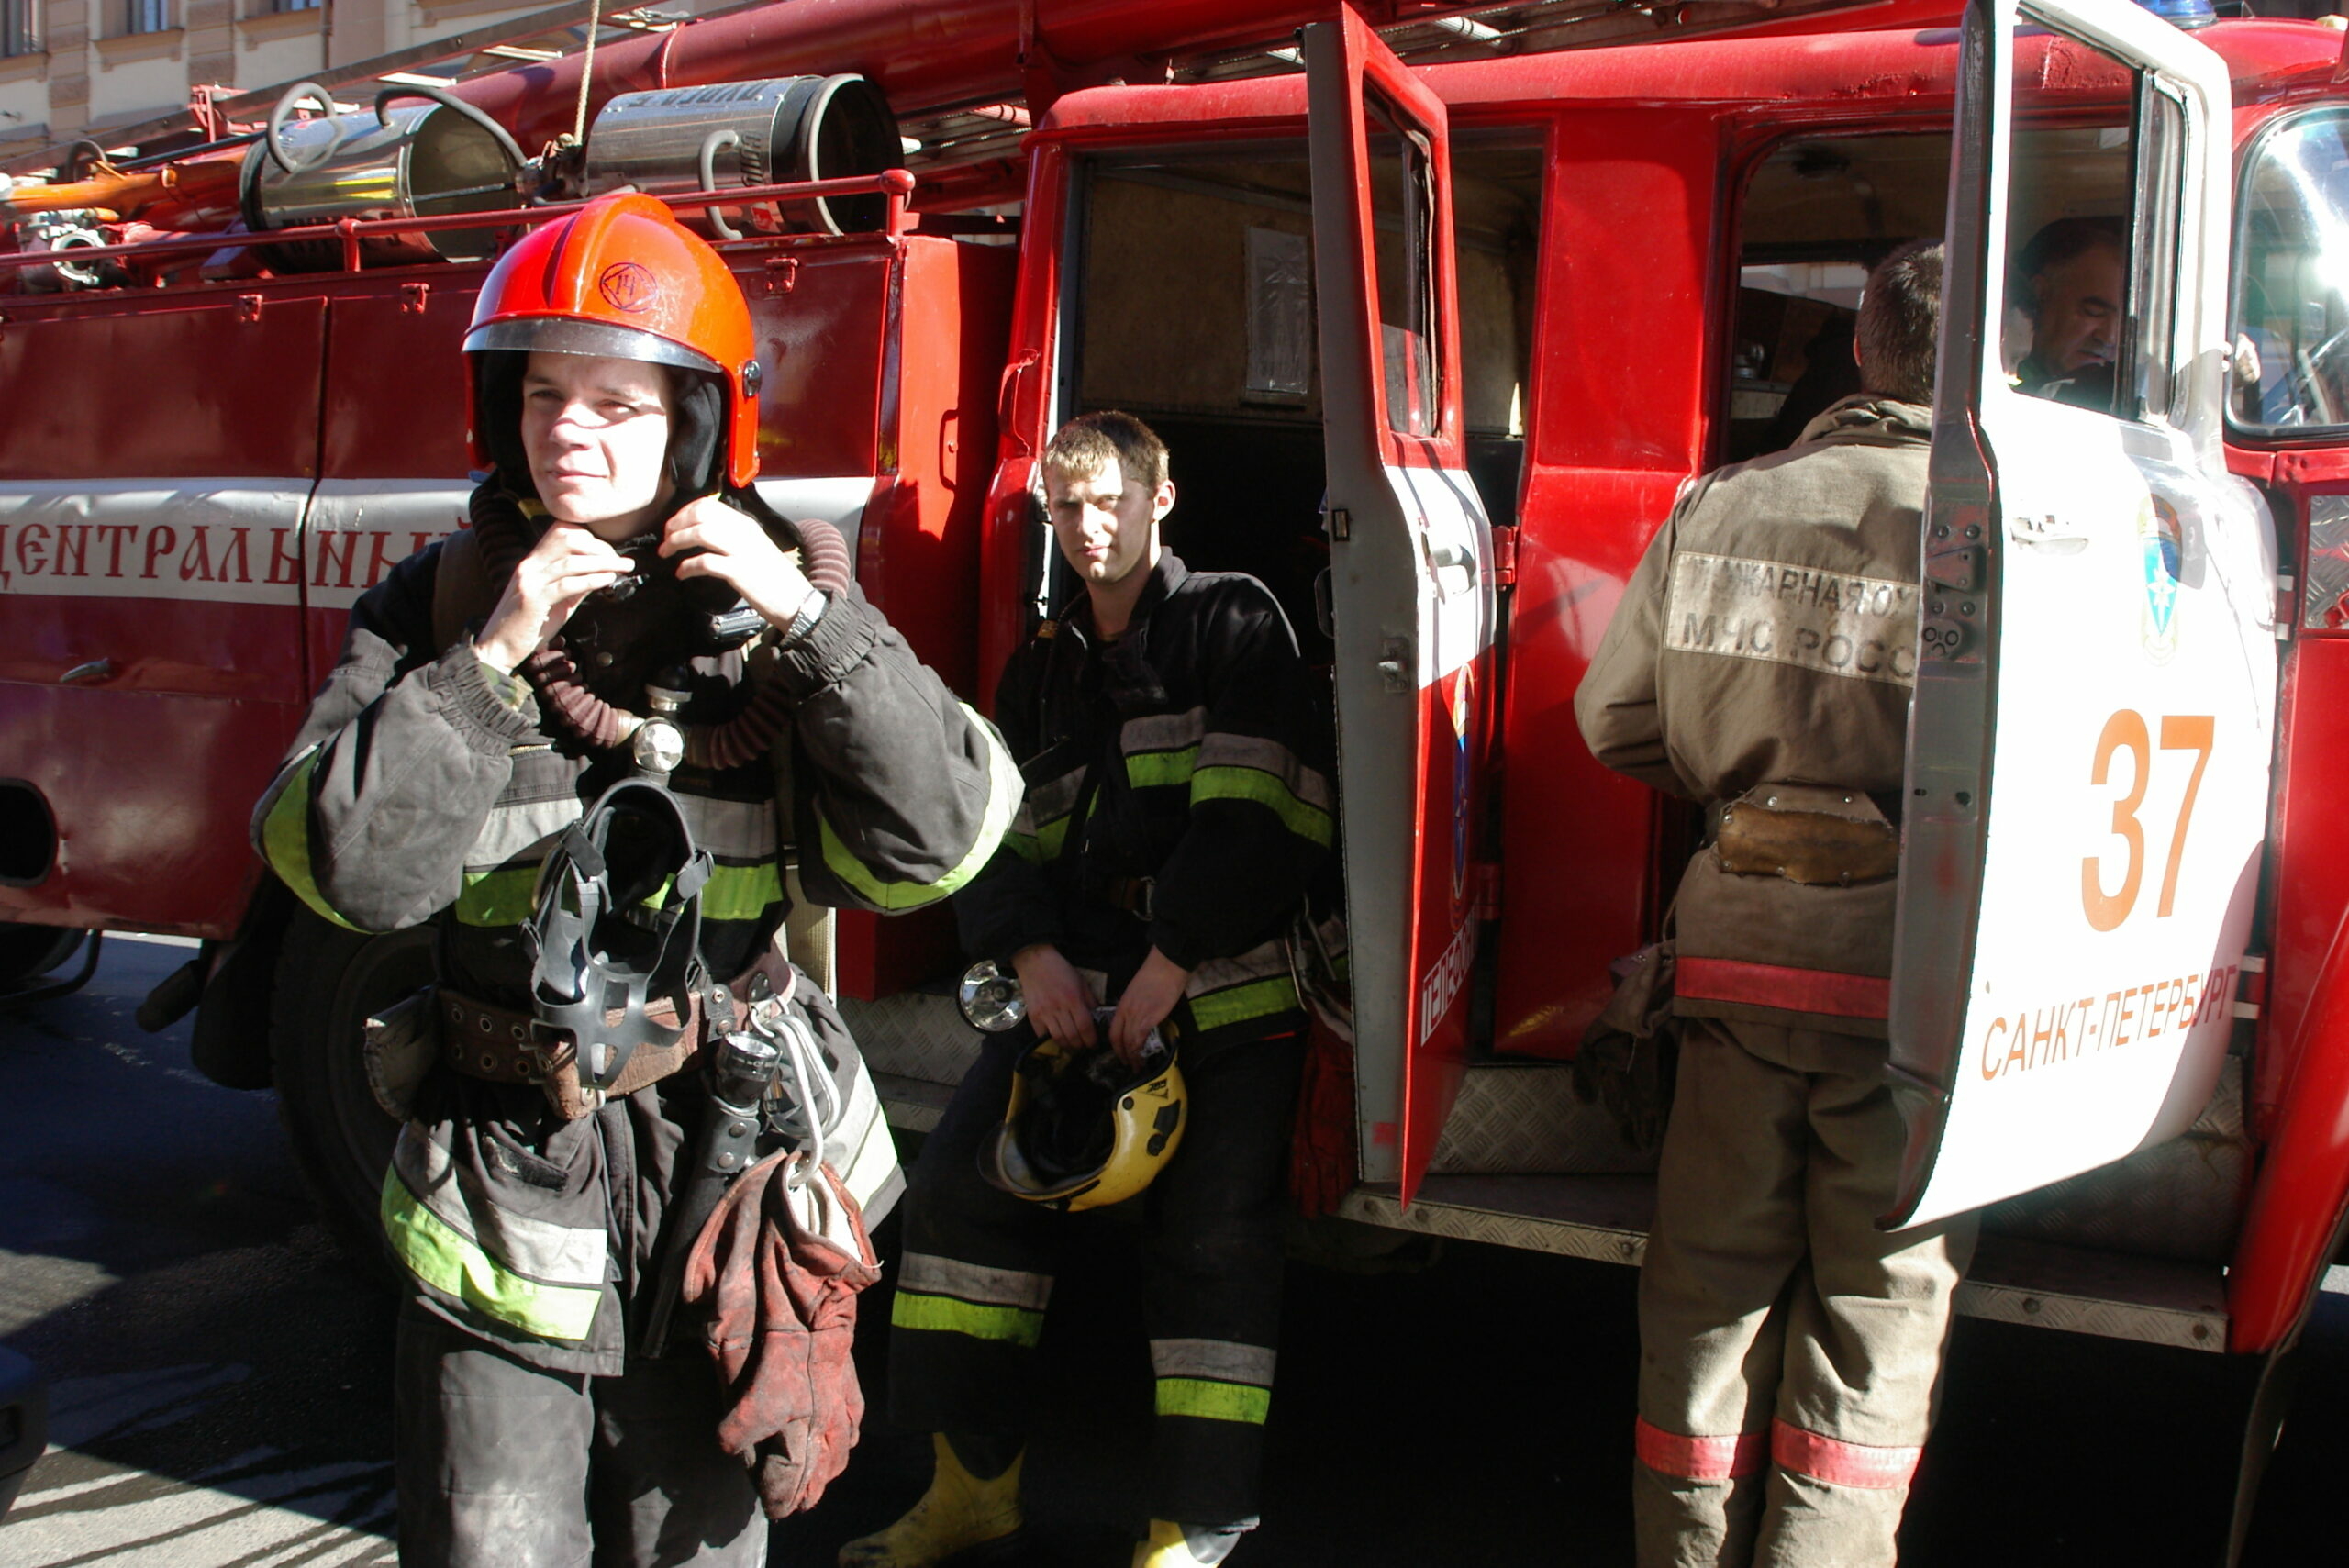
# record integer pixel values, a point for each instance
(1238, 1004)
(741, 893)
(946, 1314)
(437, 1254)
(1003, 788)
(502, 897)
(285, 838)
(1305, 821)
(1146, 769)
(1212, 1401)
(1026, 846)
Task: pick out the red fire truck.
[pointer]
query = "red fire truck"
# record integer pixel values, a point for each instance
(1433, 345)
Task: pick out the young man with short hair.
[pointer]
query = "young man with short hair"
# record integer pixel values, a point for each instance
(1178, 801)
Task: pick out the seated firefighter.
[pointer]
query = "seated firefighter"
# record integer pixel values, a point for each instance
(1178, 802)
(622, 610)
(1762, 661)
(2071, 280)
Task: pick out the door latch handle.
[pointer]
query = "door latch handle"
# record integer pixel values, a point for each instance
(87, 674)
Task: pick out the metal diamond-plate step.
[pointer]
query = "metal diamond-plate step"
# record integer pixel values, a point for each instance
(2157, 1301)
(914, 1036)
(1513, 1119)
(2183, 1199)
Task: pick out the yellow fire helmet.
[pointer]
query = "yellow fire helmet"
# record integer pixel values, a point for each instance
(1083, 1130)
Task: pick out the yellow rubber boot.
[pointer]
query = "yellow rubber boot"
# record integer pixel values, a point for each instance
(1171, 1546)
(959, 1512)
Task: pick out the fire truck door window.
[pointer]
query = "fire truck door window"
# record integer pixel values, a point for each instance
(2088, 287)
(1194, 310)
(1402, 190)
(2290, 315)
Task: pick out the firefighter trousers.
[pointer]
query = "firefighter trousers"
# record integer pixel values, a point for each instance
(978, 1266)
(1790, 1352)
(501, 1464)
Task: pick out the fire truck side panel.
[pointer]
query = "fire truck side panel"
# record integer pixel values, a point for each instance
(918, 550)
(156, 612)
(1620, 348)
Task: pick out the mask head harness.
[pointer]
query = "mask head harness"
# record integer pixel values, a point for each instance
(614, 939)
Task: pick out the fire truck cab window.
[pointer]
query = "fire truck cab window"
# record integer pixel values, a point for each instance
(2290, 317)
(1820, 211)
(1194, 309)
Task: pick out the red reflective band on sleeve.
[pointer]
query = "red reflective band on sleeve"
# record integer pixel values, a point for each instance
(1841, 1463)
(1776, 985)
(1697, 1458)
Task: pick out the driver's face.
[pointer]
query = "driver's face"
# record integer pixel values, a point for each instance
(2078, 320)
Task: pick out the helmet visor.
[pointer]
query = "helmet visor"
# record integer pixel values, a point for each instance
(594, 339)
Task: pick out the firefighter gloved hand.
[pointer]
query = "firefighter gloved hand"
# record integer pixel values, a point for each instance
(782, 1268)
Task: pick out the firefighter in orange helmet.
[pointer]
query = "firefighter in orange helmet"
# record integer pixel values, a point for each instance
(490, 688)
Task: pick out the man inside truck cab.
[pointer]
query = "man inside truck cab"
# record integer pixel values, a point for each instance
(2070, 282)
(1178, 804)
(1761, 662)
(491, 687)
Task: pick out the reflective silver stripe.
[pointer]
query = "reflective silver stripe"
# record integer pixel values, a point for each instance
(555, 1254)
(1221, 750)
(513, 832)
(1222, 1359)
(732, 829)
(1264, 960)
(1049, 800)
(931, 1275)
(1162, 732)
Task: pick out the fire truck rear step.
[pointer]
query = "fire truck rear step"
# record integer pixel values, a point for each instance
(1605, 1219)
(2134, 1250)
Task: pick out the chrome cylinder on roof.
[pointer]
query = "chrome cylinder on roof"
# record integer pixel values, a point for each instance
(732, 134)
(418, 161)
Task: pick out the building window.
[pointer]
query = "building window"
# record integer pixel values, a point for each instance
(148, 16)
(18, 35)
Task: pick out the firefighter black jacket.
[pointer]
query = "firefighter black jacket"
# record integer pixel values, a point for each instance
(425, 788)
(1177, 796)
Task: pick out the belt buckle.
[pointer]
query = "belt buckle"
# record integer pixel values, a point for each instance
(1145, 898)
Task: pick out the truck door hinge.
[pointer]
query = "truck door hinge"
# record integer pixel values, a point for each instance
(1505, 557)
(413, 297)
(1487, 885)
(2287, 605)
(248, 308)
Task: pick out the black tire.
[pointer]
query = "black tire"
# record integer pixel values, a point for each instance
(328, 981)
(26, 953)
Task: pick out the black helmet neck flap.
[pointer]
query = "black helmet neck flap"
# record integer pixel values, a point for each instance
(618, 927)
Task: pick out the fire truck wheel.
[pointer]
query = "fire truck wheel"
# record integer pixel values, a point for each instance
(328, 981)
(26, 951)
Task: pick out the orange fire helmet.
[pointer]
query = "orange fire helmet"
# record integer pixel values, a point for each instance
(622, 278)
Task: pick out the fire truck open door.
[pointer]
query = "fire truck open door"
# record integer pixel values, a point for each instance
(2090, 744)
(1411, 584)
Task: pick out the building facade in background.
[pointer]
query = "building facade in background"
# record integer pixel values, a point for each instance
(74, 69)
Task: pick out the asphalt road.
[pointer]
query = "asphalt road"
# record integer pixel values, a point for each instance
(218, 1378)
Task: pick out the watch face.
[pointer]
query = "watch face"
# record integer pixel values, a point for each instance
(659, 746)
